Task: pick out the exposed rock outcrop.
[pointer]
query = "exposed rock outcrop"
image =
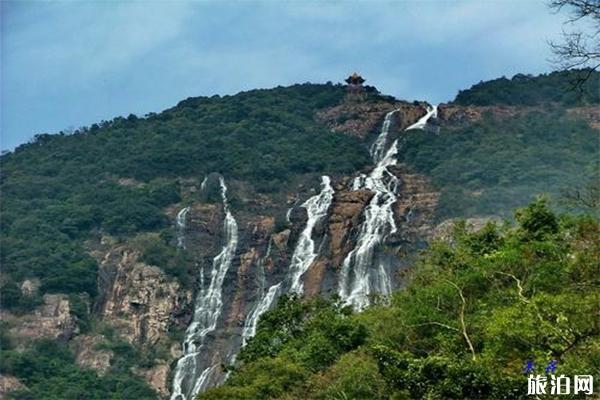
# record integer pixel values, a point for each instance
(591, 114)
(30, 287)
(457, 115)
(89, 355)
(451, 114)
(9, 383)
(362, 118)
(158, 378)
(280, 240)
(139, 299)
(417, 201)
(51, 320)
(346, 211)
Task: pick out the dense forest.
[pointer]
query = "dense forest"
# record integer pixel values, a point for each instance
(568, 88)
(477, 307)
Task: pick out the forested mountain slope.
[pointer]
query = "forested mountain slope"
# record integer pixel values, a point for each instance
(112, 235)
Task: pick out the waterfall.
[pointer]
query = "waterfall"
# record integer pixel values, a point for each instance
(189, 380)
(264, 302)
(303, 256)
(359, 276)
(422, 122)
(378, 147)
(180, 222)
(259, 309)
(304, 253)
(356, 278)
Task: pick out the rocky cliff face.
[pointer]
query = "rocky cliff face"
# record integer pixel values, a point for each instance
(456, 115)
(8, 384)
(138, 299)
(145, 306)
(90, 355)
(51, 320)
(360, 118)
(142, 304)
(150, 309)
(267, 240)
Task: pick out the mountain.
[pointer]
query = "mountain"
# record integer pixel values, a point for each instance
(138, 254)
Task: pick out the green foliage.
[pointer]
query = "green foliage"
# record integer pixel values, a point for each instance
(266, 378)
(5, 339)
(354, 376)
(156, 250)
(80, 308)
(313, 333)
(476, 308)
(14, 300)
(293, 340)
(497, 164)
(49, 372)
(526, 90)
(537, 221)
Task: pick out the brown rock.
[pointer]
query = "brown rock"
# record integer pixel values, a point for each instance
(88, 355)
(9, 383)
(463, 115)
(346, 211)
(280, 240)
(52, 320)
(206, 217)
(417, 201)
(313, 278)
(362, 118)
(158, 378)
(236, 315)
(139, 299)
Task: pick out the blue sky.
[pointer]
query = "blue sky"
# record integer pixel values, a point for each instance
(69, 64)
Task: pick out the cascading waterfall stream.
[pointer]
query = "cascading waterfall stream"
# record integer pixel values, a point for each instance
(189, 380)
(422, 122)
(180, 222)
(259, 309)
(264, 302)
(303, 256)
(359, 277)
(203, 183)
(304, 253)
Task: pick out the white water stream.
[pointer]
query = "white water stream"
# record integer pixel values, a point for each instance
(189, 379)
(359, 276)
(264, 302)
(180, 222)
(304, 253)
